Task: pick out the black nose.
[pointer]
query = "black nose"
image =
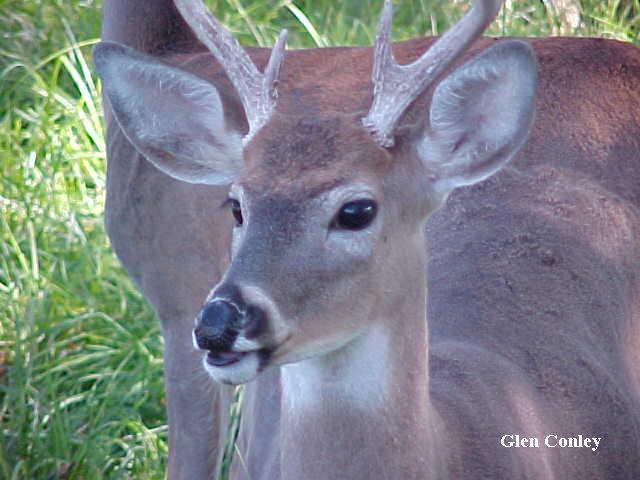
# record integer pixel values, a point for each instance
(218, 324)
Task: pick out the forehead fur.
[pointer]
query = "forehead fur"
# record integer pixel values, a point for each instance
(294, 155)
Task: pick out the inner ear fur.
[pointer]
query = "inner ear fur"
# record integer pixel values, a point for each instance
(172, 117)
(480, 116)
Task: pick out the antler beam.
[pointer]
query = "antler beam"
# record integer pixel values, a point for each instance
(257, 90)
(395, 86)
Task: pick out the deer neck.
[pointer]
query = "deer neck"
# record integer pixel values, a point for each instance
(364, 407)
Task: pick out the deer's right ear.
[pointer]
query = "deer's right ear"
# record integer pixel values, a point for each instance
(173, 118)
(480, 116)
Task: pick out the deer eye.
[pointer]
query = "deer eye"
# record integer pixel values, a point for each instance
(356, 215)
(236, 211)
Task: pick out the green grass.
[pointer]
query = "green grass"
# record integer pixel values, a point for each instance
(81, 389)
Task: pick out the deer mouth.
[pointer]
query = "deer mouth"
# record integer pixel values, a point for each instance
(223, 359)
(233, 367)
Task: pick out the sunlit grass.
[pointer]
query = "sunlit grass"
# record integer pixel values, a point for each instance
(81, 392)
(81, 389)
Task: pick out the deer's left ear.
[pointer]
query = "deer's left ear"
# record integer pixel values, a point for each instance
(173, 118)
(480, 116)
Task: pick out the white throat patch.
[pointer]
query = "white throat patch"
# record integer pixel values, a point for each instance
(356, 375)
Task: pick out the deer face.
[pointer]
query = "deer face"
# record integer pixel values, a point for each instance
(320, 212)
(317, 215)
(329, 208)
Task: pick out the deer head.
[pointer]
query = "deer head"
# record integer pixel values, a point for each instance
(329, 207)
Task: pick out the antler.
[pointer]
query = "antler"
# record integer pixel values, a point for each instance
(396, 86)
(257, 90)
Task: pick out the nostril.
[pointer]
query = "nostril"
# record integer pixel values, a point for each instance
(217, 326)
(255, 322)
(206, 341)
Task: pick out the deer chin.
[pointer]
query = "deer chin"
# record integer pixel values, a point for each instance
(234, 368)
(241, 364)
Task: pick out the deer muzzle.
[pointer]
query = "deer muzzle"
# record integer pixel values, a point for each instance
(220, 323)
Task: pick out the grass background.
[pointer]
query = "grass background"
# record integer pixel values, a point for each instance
(81, 388)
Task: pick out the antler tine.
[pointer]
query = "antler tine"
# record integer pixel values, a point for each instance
(395, 86)
(257, 90)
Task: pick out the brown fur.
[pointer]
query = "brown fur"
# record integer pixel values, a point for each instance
(312, 154)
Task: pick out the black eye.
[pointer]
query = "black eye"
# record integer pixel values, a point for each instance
(236, 211)
(356, 215)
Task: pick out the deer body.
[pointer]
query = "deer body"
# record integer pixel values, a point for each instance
(533, 319)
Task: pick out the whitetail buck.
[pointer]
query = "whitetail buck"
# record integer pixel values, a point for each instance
(533, 274)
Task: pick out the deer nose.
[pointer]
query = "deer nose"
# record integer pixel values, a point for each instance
(218, 325)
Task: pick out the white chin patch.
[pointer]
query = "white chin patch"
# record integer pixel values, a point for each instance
(244, 370)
